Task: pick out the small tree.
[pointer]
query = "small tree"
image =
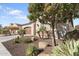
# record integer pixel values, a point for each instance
(21, 32)
(6, 31)
(41, 31)
(52, 13)
(0, 31)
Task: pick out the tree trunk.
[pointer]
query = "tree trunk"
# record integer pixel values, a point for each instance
(68, 25)
(71, 20)
(39, 35)
(42, 35)
(48, 34)
(72, 23)
(54, 40)
(57, 31)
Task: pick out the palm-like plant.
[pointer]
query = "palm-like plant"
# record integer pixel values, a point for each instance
(31, 51)
(42, 30)
(69, 48)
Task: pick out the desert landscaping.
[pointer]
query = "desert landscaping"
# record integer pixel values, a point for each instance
(51, 31)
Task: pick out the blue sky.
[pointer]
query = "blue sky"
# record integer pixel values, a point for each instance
(76, 21)
(17, 13)
(13, 13)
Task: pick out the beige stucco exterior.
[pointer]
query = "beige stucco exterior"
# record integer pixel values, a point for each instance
(35, 26)
(30, 26)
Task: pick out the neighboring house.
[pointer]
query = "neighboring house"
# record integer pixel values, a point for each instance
(0, 26)
(13, 28)
(77, 27)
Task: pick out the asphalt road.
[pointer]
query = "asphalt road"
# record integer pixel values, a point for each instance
(6, 38)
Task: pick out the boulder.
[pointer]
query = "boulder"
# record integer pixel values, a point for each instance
(42, 45)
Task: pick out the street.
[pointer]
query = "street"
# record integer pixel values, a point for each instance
(6, 38)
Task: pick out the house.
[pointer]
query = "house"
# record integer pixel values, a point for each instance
(0, 26)
(13, 28)
(77, 27)
(32, 28)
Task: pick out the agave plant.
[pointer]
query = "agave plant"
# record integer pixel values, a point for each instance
(69, 48)
(31, 51)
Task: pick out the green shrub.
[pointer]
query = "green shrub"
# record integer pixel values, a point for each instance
(31, 51)
(23, 40)
(0, 31)
(26, 40)
(69, 48)
(6, 31)
(17, 40)
(72, 35)
(21, 32)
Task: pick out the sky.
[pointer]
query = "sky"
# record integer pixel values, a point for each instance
(17, 13)
(13, 13)
(76, 21)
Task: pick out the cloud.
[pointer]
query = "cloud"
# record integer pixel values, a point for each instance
(21, 17)
(15, 12)
(11, 11)
(2, 16)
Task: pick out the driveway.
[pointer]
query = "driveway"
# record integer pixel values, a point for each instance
(3, 50)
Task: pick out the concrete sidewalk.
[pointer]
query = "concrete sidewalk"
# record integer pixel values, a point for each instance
(3, 50)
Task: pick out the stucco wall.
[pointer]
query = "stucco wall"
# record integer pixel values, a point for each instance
(32, 28)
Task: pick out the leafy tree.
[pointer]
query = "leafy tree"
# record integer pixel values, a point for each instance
(1, 29)
(41, 31)
(46, 14)
(53, 13)
(21, 32)
(6, 31)
(68, 12)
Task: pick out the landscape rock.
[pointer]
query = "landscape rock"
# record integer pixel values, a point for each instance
(42, 45)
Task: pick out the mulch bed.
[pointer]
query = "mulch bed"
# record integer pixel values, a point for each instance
(18, 49)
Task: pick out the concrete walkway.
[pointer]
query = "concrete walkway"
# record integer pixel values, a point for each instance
(3, 50)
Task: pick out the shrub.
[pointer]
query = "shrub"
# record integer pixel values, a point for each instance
(26, 40)
(69, 48)
(6, 31)
(72, 35)
(21, 32)
(23, 40)
(35, 38)
(31, 51)
(17, 40)
(0, 31)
